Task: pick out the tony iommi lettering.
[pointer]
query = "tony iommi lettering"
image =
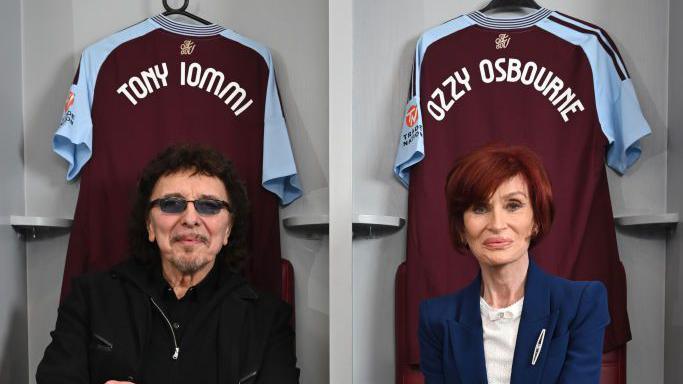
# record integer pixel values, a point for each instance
(213, 81)
(506, 70)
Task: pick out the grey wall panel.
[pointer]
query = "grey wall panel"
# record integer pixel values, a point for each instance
(55, 33)
(384, 39)
(13, 332)
(673, 373)
(44, 268)
(385, 32)
(50, 62)
(13, 328)
(11, 145)
(643, 252)
(674, 252)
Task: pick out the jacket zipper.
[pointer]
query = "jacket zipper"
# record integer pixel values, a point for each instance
(103, 343)
(247, 377)
(170, 326)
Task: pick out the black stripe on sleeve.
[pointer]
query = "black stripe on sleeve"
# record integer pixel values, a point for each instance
(608, 49)
(606, 35)
(412, 84)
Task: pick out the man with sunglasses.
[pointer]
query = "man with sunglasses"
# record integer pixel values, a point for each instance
(177, 311)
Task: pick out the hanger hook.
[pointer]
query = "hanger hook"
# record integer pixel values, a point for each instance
(171, 9)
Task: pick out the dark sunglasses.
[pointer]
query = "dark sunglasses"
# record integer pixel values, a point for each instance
(204, 206)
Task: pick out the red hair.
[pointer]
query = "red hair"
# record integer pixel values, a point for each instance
(476, 176)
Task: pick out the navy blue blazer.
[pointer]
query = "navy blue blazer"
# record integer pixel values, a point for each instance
(573, 313)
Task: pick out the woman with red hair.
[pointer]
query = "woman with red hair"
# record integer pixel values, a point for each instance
(514, 323)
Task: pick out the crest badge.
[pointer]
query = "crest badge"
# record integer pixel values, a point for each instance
(187, 47)
(502, 41)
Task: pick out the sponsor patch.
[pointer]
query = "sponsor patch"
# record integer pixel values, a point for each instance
(69, 101)
(411, 116)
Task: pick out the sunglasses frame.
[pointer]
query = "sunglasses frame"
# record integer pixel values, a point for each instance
(159, 201)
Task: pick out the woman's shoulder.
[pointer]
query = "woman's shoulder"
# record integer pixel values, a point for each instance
(574, 290)
(439, 302)
(571, 295)
(437, 310)
(579, 303)
(452, 305)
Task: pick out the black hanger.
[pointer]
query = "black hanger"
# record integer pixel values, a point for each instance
(510, 4)
(182, 11)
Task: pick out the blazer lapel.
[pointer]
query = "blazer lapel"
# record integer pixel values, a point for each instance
(467, 339)
(536, 316)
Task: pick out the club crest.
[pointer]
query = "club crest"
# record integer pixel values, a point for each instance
(502, 41)
(187, 47)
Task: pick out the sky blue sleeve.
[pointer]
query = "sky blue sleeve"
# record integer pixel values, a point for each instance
(411, 148)
(73, 139)
(621, 119)
(279, 174)
(624, 128)
(411, 142)
(279, 170)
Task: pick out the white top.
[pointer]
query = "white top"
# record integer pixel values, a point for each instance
(500, 327)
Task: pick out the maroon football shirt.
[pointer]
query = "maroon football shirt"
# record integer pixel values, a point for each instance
(158, 83)
(546, 81)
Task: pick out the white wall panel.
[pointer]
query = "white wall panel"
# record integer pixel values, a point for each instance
(341, 84)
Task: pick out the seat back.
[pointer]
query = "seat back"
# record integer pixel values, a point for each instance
(287, 294)
(613, 362)
(614, 367)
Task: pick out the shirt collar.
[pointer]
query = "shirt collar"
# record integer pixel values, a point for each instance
(525, 21)
(184, 29)
(202, 291)
(512, 311)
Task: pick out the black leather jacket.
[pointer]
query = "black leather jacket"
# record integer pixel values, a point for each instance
(102, 325)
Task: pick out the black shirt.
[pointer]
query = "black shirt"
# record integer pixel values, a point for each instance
(185, 319)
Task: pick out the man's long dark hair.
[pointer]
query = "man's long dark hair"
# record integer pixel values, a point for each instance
(201, 161)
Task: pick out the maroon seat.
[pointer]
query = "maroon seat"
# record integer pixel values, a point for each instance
(287, 293)
(613, 362)
(614, 367)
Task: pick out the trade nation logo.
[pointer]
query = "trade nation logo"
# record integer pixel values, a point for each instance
(69, 101)
(411, 116)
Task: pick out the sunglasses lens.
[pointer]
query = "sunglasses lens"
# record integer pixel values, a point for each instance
(177, 205)
(207, 206)
(172, 205)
